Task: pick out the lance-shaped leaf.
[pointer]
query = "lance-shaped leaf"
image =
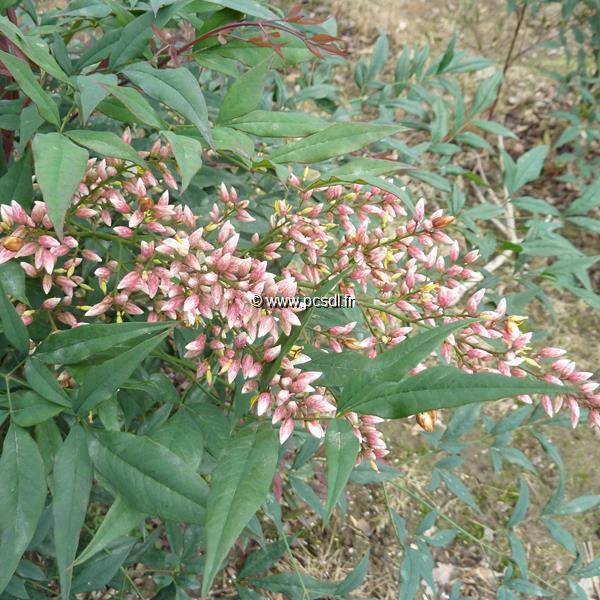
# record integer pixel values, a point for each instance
(32, 46)
(149, 477)
(182, 435)
(43, 381)
(133, 41)
(341, 449)
(245, 93)
(120, 519)
(188, 154)
(106, 143)
(102, 381)
(338, 139)
(395, 364)
(12, 278)
(251, 8)
(522, 505)
(59, 167)
(440, 387)
(240, 484)
(176, 88)
(266, 123)
(72, 485)
(136, 104)
(22, 496)
(337, 368)
(14, 329)
(92, 91)
(28, 408)
(30, 86)
(77, 345)
(16, 183)
(359, 168)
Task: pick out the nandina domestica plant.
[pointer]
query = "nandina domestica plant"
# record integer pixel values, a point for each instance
(169, 352)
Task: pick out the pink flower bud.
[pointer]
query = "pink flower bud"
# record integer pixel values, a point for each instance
(272, 353)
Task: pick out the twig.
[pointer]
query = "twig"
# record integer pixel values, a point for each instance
(509, 57)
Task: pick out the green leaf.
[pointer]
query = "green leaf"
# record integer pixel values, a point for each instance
(16, 183)
(263, 559)
(441, 121)
(528, 167)
(486, 93)
(49, 441)
(73, 346)
(245, 93)
(72, 485)
(92, 91)
(183, 436)
(308, 495)
(432, 179)
(176, 88)
(355, 578)
(120, 519)
(133, 40)
(475, 141)
(213, 423)
(240, 483)
(266, 123)
(522, 586)
(22, 497)
(337, 368)
(357, 169)
(101, 570)
(338, 139)
(440, 387)
(248, 7)
(589, 199)
(536, 205)
(520, 511)
(150, 478)
(43, 381)
(14, 329)
(561, 535)
(590, 570)
(158, 4)
(106, 143)
(459, 489)
(102, 381)
(341, 450)
(59, 167)
(394, 364)
(379, 56)
(494, 128)
(579, 505)
(297, 585)
(32, 46)
(28, 408)
(188, 154)
(12, 277)
(519, 555)
(136, 104)
(441, 538)
(30, 86)
(231, 140)
(519, 458)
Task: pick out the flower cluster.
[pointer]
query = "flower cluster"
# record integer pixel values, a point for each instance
(402, 266)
